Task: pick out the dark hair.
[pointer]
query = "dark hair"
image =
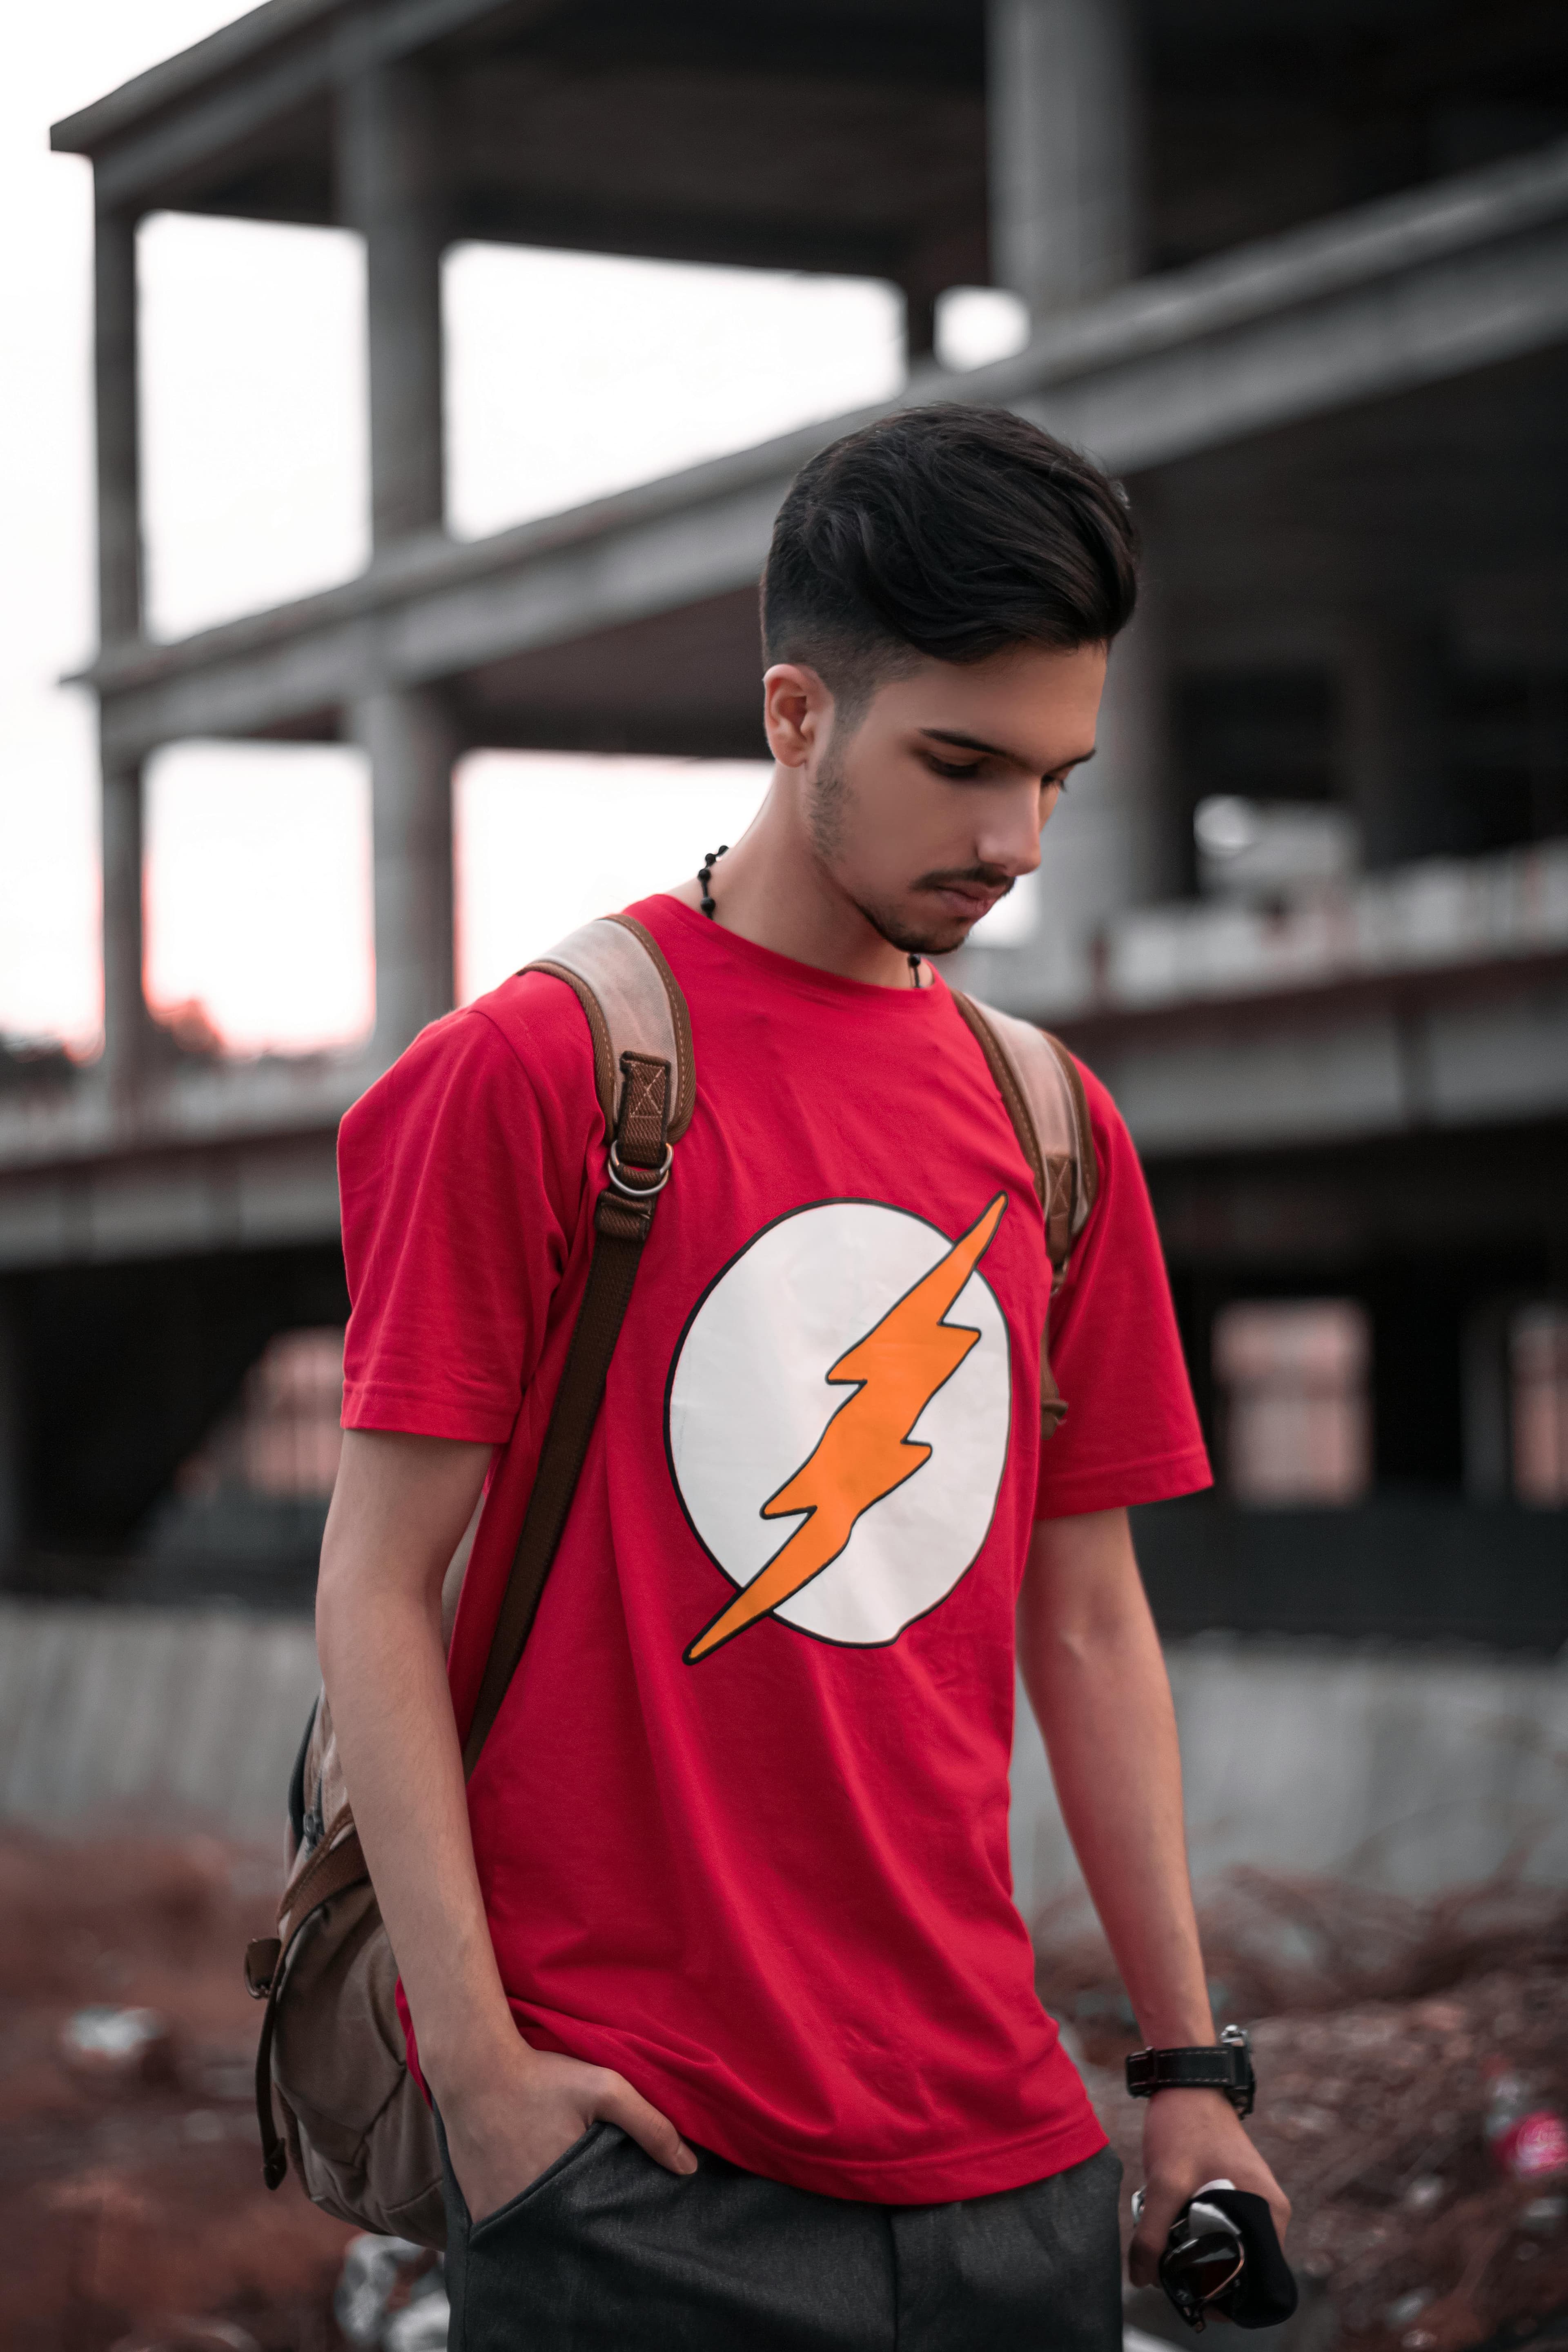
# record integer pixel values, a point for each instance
(950, 531)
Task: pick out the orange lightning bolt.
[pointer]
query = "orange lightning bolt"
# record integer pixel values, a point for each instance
(866, 1449)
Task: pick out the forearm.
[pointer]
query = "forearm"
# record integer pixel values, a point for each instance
(378, 1625)
(1096, 1677)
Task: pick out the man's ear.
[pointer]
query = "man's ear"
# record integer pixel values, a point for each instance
(798, 711)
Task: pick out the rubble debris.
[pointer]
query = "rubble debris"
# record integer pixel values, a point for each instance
(423, 2328)
(1382, 2030)
(1528, 2138)
(131, 2205)
(113, 2043)
(188, 2335)
(385, 2282)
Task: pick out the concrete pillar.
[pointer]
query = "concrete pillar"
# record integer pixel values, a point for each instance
(1064, 148)
(1391, 680)
(1548, 756)
(390, 190)
(117, 389)
(1065, 165)
(126, 1023)
(13, 1515)
(1110, 846)
(920, 323)
(412, 743)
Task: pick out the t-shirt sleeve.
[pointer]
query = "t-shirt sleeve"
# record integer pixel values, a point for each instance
(458, 1208)
(1131, 1433)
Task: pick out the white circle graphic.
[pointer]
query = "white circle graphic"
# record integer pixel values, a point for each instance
(750, 1404)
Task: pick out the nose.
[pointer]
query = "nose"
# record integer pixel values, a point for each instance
(1009, 834)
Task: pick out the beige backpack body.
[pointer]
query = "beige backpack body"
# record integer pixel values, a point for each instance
(332, 2055)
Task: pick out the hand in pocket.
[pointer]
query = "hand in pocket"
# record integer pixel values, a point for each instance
(506, 2130)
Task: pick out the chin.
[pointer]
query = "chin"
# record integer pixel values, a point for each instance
(942, 939)
(913, 931)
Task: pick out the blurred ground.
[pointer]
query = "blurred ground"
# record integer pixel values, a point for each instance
(1380, 2028)
(131, 2193)
(130, 2196)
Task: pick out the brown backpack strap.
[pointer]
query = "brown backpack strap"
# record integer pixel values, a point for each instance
(1041, 1086)
(623, 1218)
(639, 1027)
(632, 1000)
(639, 1024)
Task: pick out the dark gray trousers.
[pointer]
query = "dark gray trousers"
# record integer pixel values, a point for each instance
(608, 2253)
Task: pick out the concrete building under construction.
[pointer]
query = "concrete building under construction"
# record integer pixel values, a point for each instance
(1299, 274)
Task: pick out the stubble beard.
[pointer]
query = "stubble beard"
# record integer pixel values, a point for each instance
(825, 814)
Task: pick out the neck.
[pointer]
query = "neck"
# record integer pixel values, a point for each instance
(773, 888)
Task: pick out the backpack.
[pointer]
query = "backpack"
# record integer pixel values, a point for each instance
(331, 2053)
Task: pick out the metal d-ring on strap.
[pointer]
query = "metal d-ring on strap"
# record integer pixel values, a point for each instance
(647, 1186)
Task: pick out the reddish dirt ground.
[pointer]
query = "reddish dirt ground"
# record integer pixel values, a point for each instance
(132, 2200)
(1374, 2024)
(129, 2201)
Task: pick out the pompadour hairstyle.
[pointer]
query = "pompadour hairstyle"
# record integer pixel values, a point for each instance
(950, 531)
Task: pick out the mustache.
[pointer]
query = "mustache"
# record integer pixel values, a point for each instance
(979, 878)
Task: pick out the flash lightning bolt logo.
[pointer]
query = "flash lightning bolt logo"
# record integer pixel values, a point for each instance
(865, 1451)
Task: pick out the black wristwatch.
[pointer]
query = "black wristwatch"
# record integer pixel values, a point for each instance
(1224, 2066)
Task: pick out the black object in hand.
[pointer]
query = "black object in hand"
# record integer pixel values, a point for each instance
(1223, 2257)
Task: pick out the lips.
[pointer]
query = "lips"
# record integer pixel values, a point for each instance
(968, 901)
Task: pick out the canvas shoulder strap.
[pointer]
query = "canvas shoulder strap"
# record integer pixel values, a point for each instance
(1038, 1082)
(647, 1084)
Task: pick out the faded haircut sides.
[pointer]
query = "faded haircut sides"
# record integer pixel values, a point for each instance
(949, 531)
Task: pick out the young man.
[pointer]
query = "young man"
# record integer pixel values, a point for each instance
(715, 1974)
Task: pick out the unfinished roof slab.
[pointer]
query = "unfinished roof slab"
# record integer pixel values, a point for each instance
(1398, 294)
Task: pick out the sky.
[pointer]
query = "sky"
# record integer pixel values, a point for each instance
(568, 375)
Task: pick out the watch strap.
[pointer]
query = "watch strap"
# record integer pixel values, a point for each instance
(1225, 2066)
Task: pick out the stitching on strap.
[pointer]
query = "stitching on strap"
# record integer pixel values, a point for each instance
(598, 1030)
(685, 1101)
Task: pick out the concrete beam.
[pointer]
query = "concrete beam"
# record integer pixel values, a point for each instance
(198, 108)
(259, 1193)
(1338, 1066)
(1399, 294)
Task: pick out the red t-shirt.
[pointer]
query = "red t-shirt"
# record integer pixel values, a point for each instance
(761, 1867)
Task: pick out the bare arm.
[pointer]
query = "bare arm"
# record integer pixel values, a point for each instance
(1096, 1677)
(398, 1513)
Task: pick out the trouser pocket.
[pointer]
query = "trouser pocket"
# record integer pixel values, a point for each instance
(497, 2266)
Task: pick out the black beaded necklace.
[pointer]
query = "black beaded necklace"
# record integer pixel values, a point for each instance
(705, 875)
(711, 906)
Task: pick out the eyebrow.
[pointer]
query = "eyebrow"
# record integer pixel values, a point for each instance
(996, 752)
